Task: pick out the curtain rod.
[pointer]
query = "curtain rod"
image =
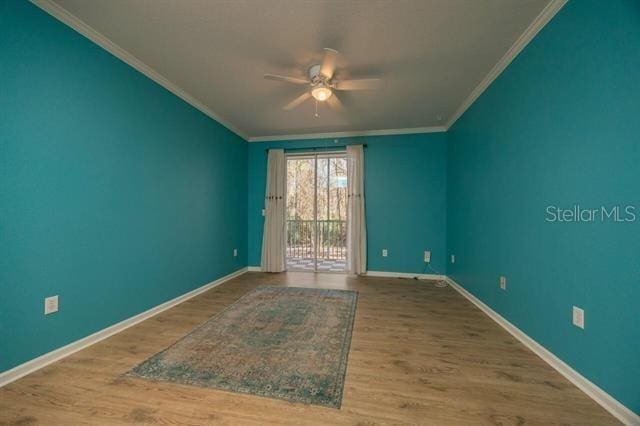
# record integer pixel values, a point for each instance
(321, 148)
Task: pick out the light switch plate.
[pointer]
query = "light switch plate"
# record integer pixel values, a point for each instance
(453, 258)
(50, 305)
(427, 256)
(578, 317)
(235, 252)
(503, 283)
(384, 252)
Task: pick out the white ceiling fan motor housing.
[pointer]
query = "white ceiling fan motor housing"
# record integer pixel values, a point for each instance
(314, 74)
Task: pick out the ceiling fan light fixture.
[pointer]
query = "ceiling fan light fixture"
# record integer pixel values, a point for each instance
(321, 93)
(321, 84)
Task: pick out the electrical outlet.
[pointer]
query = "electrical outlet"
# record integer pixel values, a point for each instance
(453, 258)
(384, 253)
(235, 252)
(427, 256)
(50, 305)
(578, 317)
(503, 283)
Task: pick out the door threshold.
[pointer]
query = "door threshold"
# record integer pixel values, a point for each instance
(317, 272)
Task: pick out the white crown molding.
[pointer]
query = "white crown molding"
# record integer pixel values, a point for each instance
(541, 20)
(95, 36)
(80, 26)
(386, 132)
(29, 367)
(609, 403)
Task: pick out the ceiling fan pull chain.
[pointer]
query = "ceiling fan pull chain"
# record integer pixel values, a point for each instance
(316, 114)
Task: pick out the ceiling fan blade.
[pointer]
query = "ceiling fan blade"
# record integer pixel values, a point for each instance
(328, 62)
(335, 103)
(286, 79)
(297, 101)
(363, 84)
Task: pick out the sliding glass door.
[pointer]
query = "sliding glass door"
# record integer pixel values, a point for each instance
(316, 212)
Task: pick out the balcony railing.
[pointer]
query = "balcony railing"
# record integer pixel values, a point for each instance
(331, 243)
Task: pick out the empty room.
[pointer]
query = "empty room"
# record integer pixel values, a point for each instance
(374, 212)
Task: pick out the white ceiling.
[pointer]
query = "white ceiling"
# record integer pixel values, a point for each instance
(430, 54)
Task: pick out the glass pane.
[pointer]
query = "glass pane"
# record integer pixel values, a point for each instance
(338, 189)
(332, 213)
(300, 213)
(300, 188)
(323, 186)
(328, 191)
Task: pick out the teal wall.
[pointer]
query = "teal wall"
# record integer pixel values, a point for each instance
(115, 194)
(118, 196)
(405, 194)
(558, 127)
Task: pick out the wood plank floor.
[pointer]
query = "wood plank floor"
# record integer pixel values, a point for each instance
(419, 355)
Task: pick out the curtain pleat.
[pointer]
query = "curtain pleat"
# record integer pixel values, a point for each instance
(273, 237)
(356, 227)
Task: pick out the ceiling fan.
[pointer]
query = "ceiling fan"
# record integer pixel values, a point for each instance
(322, 84)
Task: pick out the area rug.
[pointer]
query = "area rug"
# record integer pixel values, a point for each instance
(282, 342)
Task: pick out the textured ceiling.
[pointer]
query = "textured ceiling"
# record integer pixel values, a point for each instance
(430, 54)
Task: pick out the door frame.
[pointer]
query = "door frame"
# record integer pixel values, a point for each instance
(311, 154)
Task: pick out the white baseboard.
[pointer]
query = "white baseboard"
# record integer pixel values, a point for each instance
(608, 402)
(37, 363)
(434, 277)
(378, 274)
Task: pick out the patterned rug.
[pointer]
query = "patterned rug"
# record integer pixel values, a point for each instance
(282, 342)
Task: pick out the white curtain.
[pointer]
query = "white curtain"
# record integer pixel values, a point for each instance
(356, 228)
(273, 239)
